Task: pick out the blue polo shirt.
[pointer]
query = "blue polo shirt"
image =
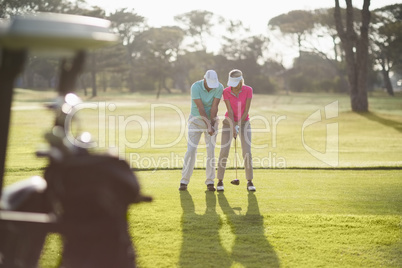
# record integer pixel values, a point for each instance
(198, 91)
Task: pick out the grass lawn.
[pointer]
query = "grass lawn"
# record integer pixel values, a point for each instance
(305, 213)
(295, 219)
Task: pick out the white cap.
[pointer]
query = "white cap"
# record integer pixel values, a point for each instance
(212, 79)
(234, 81)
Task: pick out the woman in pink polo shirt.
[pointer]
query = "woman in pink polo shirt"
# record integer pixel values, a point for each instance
(237, 97)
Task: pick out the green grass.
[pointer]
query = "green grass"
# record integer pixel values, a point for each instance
(295, 219)
(308, 214)
(365, 140)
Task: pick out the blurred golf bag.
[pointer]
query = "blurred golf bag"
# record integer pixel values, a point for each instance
(91, 195)
(94, 193)
(83, 196)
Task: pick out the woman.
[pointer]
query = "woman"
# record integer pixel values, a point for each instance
(237, 97)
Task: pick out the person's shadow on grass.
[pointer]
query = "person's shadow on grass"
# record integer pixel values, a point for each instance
(201, 246)
(251, 247)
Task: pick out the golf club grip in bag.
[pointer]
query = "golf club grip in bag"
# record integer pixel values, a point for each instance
(94, 192)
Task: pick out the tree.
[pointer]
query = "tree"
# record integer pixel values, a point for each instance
(191, 66)
(314, 73)
(159, 48)
(128, 25)
(92, 64)
(42, 66)
(296, 22)
(325, 27)
(14, 7)
(324, 21)
(198, 24)
(387, 41)
(245, 51)
(239, 44)
(112, 63)
(356, 52)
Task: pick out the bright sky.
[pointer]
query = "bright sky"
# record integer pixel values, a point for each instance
(253, 13)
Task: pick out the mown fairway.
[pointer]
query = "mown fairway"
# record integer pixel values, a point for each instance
(305, 212)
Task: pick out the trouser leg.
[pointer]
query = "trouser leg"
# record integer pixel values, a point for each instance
(210, 142)
(245, 137)
(226, 141)
(191, 154)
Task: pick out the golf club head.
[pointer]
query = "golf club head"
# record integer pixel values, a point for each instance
(235, 182)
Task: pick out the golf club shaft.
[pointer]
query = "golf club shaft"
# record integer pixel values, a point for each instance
(236, 156)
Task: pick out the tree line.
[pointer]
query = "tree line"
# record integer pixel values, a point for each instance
(366, 50)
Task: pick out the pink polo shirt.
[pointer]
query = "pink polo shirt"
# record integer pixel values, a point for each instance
(238, 103)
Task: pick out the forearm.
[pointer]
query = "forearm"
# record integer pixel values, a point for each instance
(214, 113)
(231, 117)
(244, 116)
(245, 113)
(204, 116)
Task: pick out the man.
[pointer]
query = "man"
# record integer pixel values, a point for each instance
(205, 97)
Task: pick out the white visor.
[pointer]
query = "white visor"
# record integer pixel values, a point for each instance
(234, 81)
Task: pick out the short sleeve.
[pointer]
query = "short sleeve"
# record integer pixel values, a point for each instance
(218, 93)
(195, 92)
(226, 94)
(249, 93)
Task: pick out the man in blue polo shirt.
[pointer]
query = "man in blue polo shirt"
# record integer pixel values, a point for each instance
(205, 97)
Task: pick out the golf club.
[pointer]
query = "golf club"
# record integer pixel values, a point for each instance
(236, 181)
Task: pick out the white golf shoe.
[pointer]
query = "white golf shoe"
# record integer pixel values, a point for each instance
(219, 186)
(250, 186)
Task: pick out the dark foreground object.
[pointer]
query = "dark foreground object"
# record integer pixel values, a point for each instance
(88, 197)
(83, 196)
